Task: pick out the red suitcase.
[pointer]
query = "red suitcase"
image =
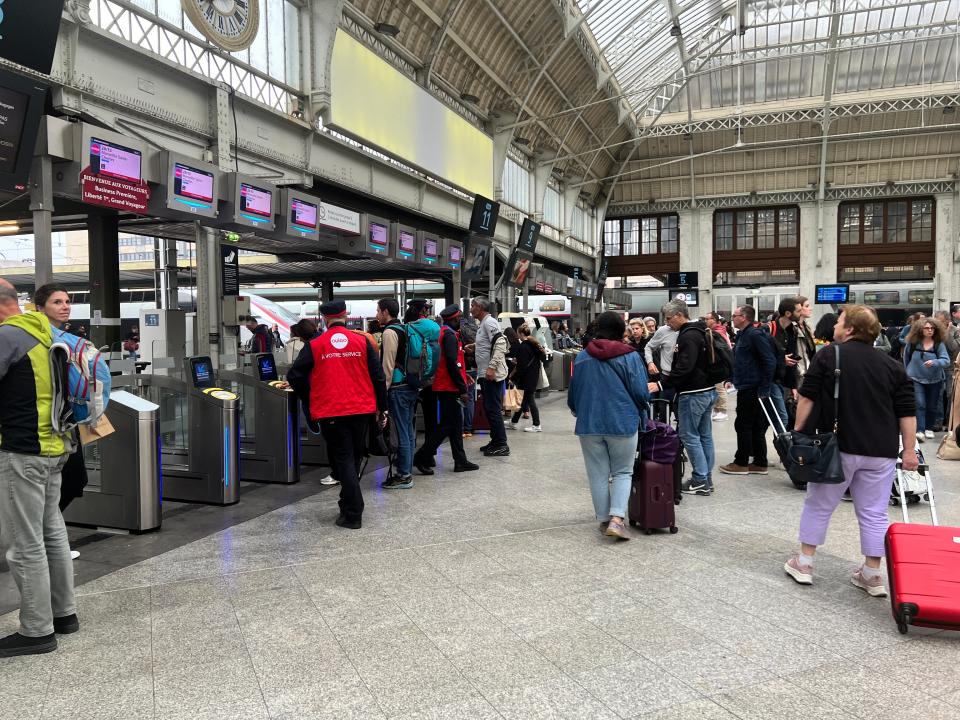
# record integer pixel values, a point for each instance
(651, 496)
(923, 568)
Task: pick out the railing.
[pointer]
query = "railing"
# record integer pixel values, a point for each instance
(153, 34)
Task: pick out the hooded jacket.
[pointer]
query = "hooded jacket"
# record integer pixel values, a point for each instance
(608, 390)
(26, 388)
(688, 373)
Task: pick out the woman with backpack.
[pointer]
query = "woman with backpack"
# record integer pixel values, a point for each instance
(529, 356)
(925, 357)
(54, 302)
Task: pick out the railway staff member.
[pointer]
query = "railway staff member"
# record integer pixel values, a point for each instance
(339, 380)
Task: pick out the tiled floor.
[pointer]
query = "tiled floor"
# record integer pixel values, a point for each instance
(492, 595)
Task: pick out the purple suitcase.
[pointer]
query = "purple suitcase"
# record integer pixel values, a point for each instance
(651, 497)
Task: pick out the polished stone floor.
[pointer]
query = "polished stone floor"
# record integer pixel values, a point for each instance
(492, 595)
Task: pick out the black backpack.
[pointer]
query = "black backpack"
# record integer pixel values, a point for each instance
(717, 358)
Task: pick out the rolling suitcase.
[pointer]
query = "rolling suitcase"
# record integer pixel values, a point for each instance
(681, 461)
(651, 496)
(923, 568)
(480, 421)
(782, 439)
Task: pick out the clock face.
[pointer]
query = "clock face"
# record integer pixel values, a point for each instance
(230, 24)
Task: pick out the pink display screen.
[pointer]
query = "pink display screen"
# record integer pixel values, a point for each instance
(303, 213)
(456, 254)
(429, 248)
(192, 183)
(378, 235)
(114, 160)
(407, 241)
(256, 201)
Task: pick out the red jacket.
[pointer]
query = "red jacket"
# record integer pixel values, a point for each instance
(443, 381)
(338, 374)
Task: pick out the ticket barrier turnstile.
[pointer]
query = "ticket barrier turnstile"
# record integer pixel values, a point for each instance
(269, 428)
(123, 470)
(313, 448)
(199, 434)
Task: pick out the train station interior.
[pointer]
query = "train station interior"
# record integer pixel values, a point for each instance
(196, 175)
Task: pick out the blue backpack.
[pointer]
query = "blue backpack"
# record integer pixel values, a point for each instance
(422, 354)
(88, 382)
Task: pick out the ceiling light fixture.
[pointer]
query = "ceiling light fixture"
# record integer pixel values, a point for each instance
(387, 29)
(469, 98)
(9, 227)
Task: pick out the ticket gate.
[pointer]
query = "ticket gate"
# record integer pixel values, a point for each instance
(123, 470)
(313, 449)
(269, 427)
(199, 434)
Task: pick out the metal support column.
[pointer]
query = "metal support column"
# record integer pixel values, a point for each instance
(41, 203)
(208, 293)
(103, 247)
(448, 289)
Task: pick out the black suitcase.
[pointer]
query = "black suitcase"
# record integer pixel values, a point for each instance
(781, 438)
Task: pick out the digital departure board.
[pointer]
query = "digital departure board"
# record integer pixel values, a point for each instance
(406, 244)
(379, 236)
(430, 249)
(191, 183)
(455, 255)
(256, 201)
(115, 161)
(303, 214)
(832, 294)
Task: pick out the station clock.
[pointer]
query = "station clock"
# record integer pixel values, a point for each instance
(229, 24)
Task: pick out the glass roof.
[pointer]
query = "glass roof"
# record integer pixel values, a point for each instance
(781, 55)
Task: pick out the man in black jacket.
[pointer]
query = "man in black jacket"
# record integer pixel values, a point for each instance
(753, 367)
(695, 395)
(450, 388)
(783, 335)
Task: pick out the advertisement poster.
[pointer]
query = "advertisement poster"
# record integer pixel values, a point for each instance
(478, 260)
(230, 270)
(521, 269)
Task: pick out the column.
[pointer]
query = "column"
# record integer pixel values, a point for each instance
(41, 203)
(946, 285)
(818, 249)
(102, 243)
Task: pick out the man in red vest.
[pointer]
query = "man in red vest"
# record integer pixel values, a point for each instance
(450, 387)
(340, 383)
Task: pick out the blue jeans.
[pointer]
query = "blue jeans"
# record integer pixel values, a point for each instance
(928, 404)
(695, 417)
(779, 403)
(607, 456)
(403, 403)
(470, 408)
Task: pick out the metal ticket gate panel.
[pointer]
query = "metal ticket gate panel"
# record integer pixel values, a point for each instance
(123, 470)
(199, 435)
(269, 429)
(313, 449)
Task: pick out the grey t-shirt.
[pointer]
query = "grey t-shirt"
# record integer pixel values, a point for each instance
(663, 342)
(485, 332)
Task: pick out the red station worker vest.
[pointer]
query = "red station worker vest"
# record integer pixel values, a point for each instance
(442, 382)
(340, 381)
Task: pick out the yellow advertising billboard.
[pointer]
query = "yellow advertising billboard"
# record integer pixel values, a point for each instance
(372, 100)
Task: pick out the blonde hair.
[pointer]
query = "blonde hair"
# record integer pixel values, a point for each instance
(637, 322)
(524, 330)
(863, 321)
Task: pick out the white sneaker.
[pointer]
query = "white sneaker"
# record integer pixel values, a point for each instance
(921, 437)
(719, 417)
(74, 554)
(328, 480)
(533, 428)
(929, 434)
(512, 425)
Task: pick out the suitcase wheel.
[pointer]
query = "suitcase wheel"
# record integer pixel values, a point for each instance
(633, 523)
(902, 627)
(894, 501)
(674, 530)
(648, 531)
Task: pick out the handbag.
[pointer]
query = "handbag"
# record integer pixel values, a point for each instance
(544, 382)
(815, 457)
(512, 398)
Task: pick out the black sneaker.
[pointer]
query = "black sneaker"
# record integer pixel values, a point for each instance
(466, 467)
(348, 524)
(497, 451)
(17, 644)
(398, 482)
(696, 487)
(484, 448)
(66, 625)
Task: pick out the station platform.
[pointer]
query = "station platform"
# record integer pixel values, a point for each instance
(488, 595)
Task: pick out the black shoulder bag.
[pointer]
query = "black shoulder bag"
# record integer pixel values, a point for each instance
(815, 458)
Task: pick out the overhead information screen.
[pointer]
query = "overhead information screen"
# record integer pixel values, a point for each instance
(303, 214)
(192, 184)
(832, 294)
(406, 244)
(455, 255)
(256, 201)
(112, 160)
(430, 249)
(378, 236)
(13, 111)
